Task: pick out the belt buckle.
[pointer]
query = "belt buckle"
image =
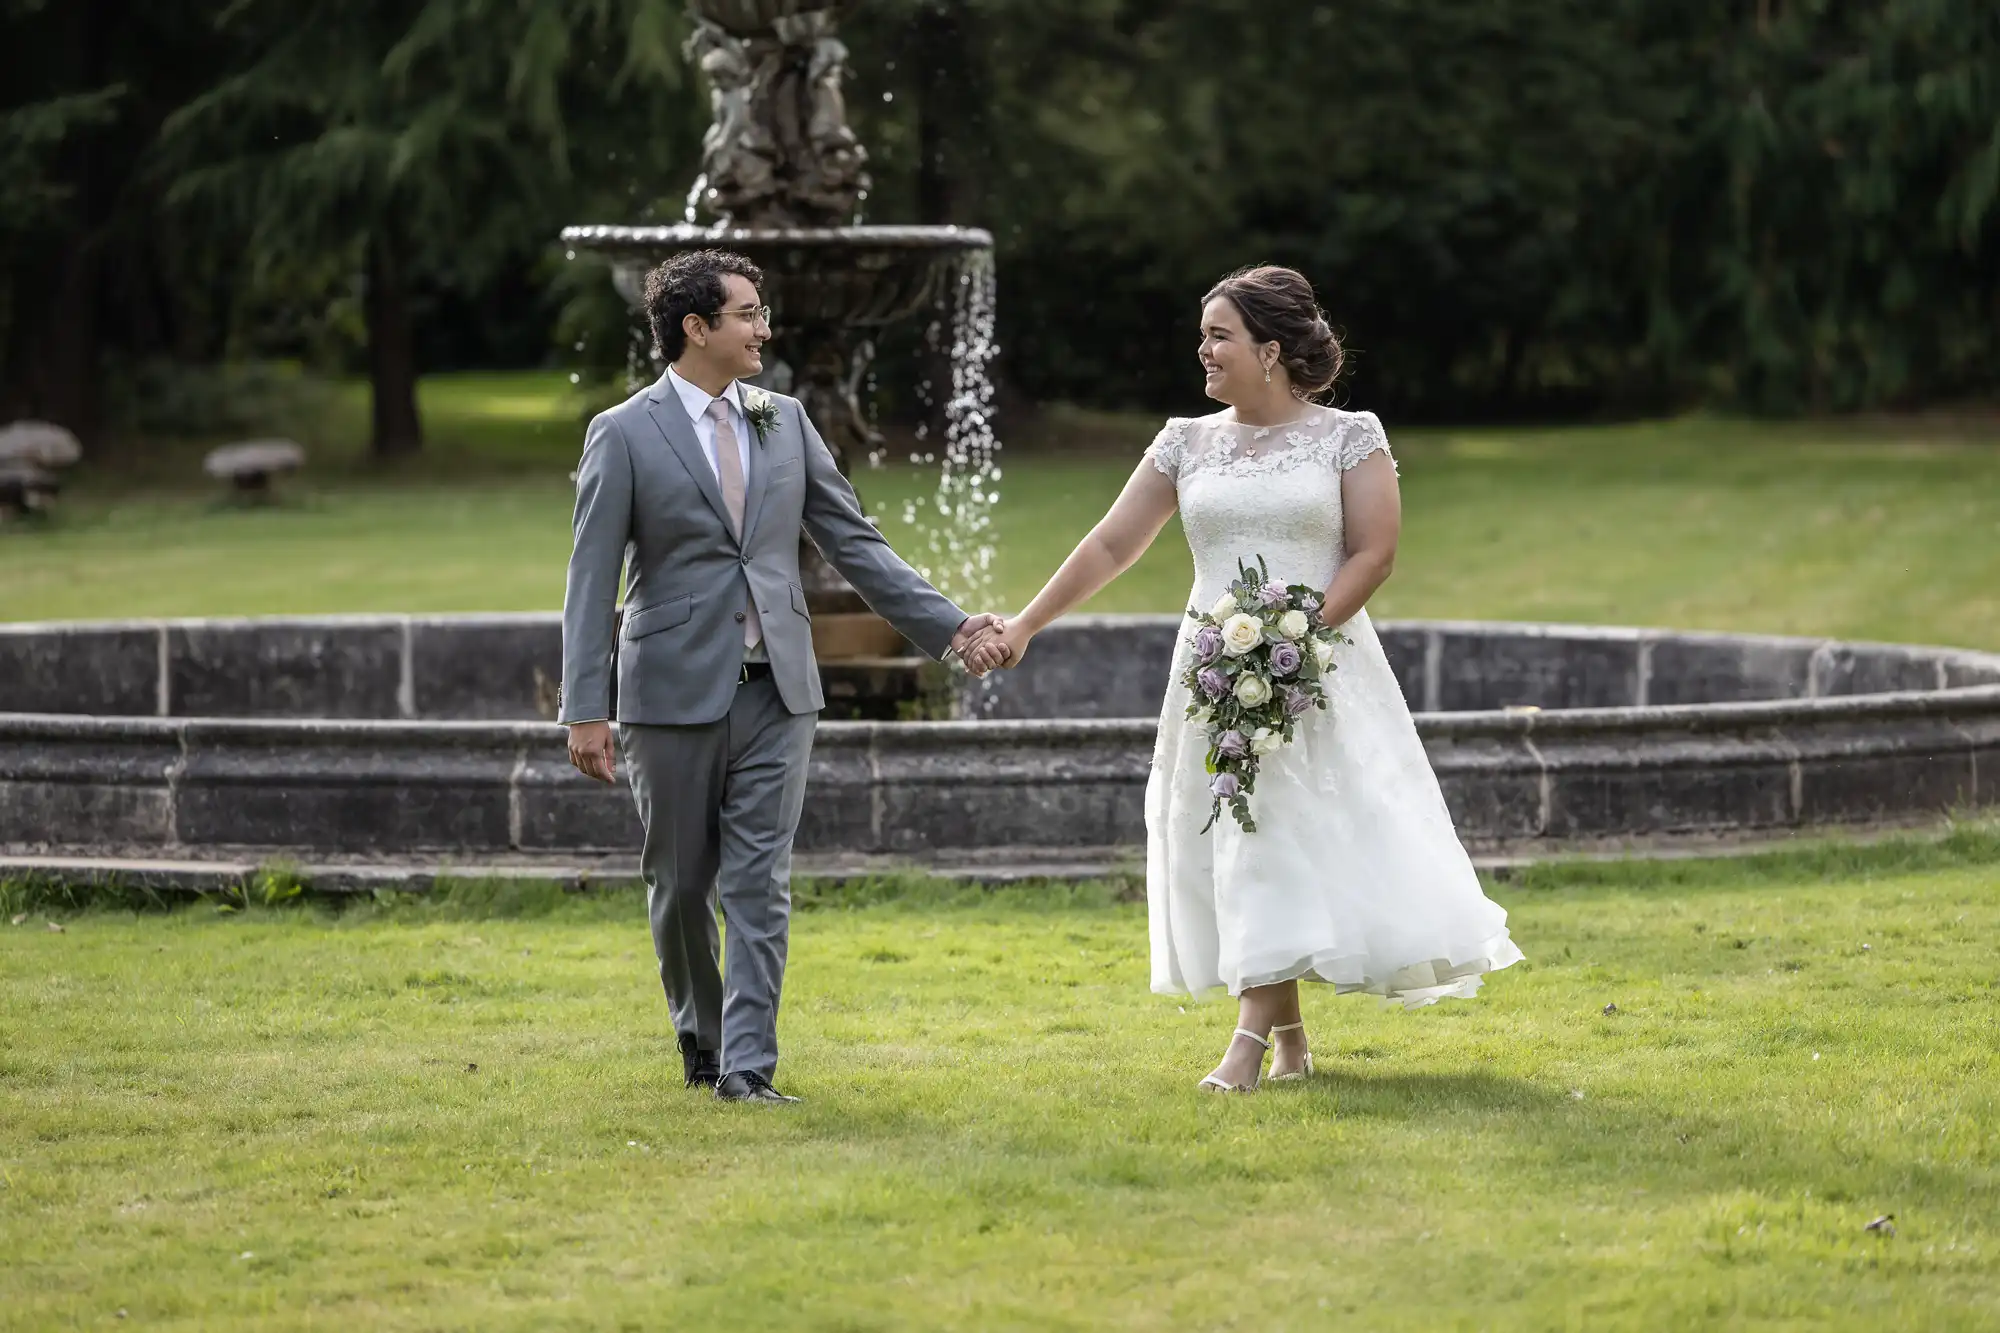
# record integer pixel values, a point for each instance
(743, 674)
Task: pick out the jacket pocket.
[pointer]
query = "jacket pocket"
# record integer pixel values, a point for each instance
(660, 615)
(799, 600)
(787, 468)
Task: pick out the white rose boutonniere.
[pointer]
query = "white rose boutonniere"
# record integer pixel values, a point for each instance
(762, 411)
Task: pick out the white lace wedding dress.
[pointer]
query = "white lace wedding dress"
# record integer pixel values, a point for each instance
(1354, 876)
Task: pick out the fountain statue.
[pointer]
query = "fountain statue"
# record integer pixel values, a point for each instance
(783, 179)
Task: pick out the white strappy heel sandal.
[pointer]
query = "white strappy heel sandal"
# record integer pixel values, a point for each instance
(1213, 1082)
(1303, 1071)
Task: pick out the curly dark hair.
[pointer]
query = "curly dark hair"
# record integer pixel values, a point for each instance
(691, 284)
(1278, 306)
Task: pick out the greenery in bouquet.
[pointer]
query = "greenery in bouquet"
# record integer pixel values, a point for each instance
(1261, 661)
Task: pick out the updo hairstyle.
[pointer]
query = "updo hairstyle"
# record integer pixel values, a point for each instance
(1278, 306)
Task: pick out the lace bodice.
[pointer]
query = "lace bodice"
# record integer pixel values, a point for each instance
(1270, 491)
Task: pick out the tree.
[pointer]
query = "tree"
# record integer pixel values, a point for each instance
(83, 264)
(415, 138)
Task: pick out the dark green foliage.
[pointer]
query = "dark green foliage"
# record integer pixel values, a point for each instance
(207, 178)
(1511, 206)
(429, 138)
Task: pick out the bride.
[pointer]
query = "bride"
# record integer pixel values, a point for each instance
(1353, 875)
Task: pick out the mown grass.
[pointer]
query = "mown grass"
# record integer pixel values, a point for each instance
(466, 1113)
(1877, 530)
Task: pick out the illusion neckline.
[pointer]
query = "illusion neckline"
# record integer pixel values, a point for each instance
(1312, 419)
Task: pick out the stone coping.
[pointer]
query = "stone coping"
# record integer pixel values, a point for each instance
(401, 736)
(505, 666)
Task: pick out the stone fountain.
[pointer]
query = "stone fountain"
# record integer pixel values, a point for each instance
(783, 179)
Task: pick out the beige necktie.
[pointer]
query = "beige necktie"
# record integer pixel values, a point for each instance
(729, 467)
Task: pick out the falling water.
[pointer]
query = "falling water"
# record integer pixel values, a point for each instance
(957, 528)
(641, 361)
(695, 192)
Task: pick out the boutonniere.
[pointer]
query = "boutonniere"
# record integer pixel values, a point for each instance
(762, 411)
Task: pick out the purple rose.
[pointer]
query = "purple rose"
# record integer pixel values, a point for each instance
(1285, 659)
(1226, 785)
(1311, 603)
(1297, 701)
(1273, 595)
(1213, 683)
(1232, 745)
(1208, 643)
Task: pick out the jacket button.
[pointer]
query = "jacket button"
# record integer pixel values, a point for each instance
(739, 617)
(746, 562)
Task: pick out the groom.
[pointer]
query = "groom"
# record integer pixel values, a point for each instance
(699, 486)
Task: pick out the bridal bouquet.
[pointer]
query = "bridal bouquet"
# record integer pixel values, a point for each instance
(1261, 660)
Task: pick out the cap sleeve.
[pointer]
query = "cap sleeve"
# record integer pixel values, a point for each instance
(1169, 448)
(1361, 434)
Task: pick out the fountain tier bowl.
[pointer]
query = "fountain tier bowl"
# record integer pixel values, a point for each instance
(424, 740)
(845, 277)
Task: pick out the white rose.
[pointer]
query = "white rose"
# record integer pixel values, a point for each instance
(1226, 608)
(754, 399)
(1241, 633)
(1322, 653)
(1266, 741)
(1252, 690)
(1293, 624)
(1204, 716)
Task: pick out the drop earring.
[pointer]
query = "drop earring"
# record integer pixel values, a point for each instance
(1267, 374)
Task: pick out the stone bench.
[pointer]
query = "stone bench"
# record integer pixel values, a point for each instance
(251, 467)
(31, 454)
(25, 489)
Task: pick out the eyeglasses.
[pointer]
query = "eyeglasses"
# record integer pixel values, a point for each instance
(756, 314)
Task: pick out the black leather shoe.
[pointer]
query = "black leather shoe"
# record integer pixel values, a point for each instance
(747, 1086)
(702, 1068)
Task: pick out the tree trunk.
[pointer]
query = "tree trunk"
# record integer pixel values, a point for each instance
(951, 152)
(392, 352)
(952, 88)
(65, 388)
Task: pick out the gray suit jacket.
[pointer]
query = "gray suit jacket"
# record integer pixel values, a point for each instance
(646, 498)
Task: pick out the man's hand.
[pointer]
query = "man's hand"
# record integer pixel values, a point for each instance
(976, 631)
(592, 751)
(1005, 648)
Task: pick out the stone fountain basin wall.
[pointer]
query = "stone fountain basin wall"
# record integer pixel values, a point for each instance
(403, 736)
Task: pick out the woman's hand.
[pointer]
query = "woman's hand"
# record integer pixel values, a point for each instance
(1005, 648)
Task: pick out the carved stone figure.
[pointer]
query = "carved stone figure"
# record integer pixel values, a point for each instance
(779, 152)
(739, 155)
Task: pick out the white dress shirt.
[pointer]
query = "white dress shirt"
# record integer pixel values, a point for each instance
(696, 400)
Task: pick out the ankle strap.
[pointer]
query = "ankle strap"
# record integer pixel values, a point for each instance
(1246, 1032)
(1289, 1027)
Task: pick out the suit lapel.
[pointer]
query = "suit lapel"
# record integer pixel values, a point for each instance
(664, 405)
(753, 487)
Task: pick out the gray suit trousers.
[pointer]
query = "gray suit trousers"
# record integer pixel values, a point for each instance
(721, 802)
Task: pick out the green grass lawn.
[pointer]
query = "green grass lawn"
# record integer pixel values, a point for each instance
(1885, 530)
(467, 1114)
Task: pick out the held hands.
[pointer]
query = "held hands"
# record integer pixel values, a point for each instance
(972, 640)
(592, 751)
(1005, 647)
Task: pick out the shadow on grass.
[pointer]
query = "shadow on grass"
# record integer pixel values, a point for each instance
(1348, 1092)
(1973, 841)
(280, 888)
